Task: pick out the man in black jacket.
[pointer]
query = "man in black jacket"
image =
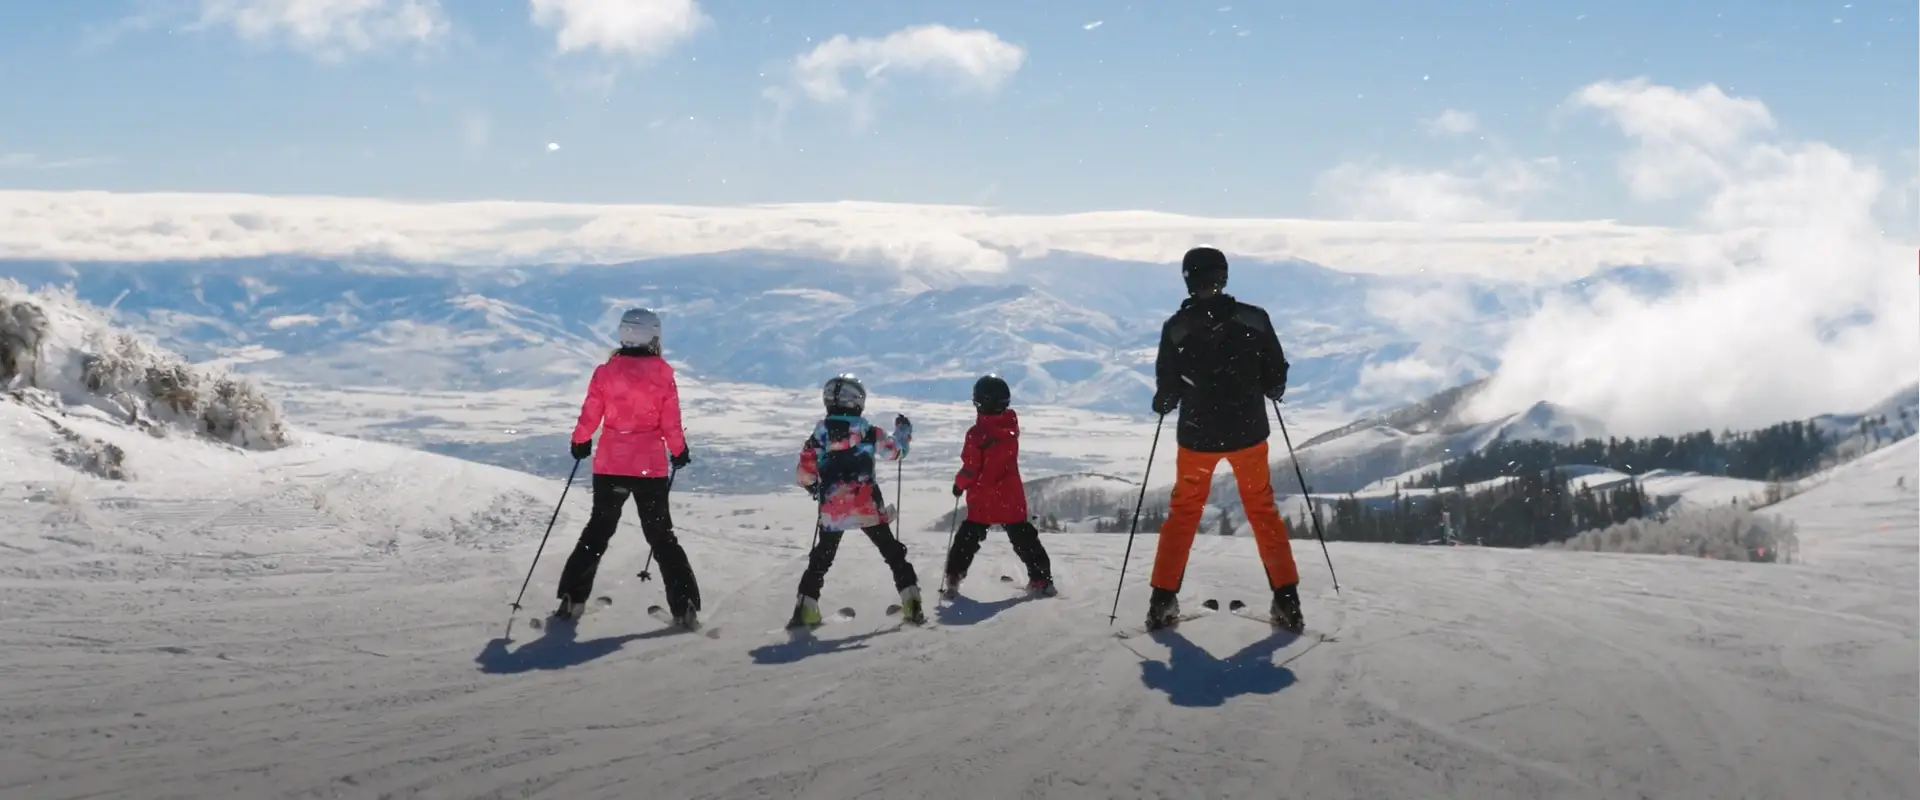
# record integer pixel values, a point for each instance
(1219, 363)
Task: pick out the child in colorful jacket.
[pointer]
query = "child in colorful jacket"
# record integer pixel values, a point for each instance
(989, 476)
(837, 468)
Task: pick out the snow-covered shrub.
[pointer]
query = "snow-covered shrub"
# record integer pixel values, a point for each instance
(23, 326)
(1728, 533)
(52, 340)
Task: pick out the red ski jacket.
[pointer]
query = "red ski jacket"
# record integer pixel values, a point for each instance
(635, 403)
(990, 471)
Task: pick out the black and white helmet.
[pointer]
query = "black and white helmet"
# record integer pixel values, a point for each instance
(844, 394)
(640, 327)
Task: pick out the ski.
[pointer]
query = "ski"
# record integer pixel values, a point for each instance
(1239, 609)
(661, 614)
(837, 617)
(1207, 606)
(1051, 591)
(540, 623)
(895, 609)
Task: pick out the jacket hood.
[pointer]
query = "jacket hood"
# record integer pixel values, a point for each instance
(1217, 307)
(1005, 421)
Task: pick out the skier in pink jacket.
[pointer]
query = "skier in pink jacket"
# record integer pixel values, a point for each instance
(635, 404)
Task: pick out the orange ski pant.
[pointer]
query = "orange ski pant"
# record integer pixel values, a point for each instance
(1193, 476)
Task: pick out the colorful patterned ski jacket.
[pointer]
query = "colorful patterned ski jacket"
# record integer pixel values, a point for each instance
(637, 401)
(990, 471)
(837, 464)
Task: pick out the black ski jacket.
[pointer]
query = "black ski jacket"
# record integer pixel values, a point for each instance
(1219, 359)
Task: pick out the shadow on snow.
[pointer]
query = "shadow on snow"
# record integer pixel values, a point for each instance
(804, 644)
(1194, 678)
(559, 648)
(967, 611)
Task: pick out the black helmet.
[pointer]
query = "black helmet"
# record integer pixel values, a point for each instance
(1204, 268)
(844, 394)
(991, 395)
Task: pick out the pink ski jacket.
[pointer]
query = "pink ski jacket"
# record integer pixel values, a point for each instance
(635, 403)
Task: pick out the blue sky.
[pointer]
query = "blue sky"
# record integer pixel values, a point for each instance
(1226, 107)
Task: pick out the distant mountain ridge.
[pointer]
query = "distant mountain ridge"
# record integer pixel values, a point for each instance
(1065, 330)
(1372, 454)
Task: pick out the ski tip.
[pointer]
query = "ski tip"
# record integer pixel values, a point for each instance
(1236, 605)
(1006, 579)
(1211, 604)
(655, 610)
(893, 609)
(603, 601)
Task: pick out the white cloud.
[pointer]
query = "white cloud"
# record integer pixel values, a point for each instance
(637, 28)
(82, 226)
(1687, 140)
(329, 29)
(1483, 189)
(1453, 122)
(1795, 302)
(970, 59)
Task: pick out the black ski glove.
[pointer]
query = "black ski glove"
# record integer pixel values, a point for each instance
(813, 491)
(900, 421)
(581, 450)
(1277, 392)
(957, 491)
(683, 458)
(1164, 404)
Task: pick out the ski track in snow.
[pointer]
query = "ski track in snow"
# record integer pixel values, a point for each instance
(328, 621)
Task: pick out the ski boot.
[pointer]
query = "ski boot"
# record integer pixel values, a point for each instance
(910, 609)
(689, 619)
(1042, 586)
(806, 613)
(1286, 610)
(950, 588)
(1163, 609)
(569, 610)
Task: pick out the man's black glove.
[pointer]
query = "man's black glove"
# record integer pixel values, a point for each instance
(1276, 392)
(901, 421)
(957, 491)
(813, 490)
(1164, 404)
(582, 449)
(683, 458)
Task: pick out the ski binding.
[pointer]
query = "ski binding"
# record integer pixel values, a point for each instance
(1207, 606)
(661, 614)
(538, 623)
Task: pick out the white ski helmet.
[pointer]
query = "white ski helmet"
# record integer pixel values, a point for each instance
(640, 327)
(844, 393)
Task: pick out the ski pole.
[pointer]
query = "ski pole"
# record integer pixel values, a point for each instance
(543, 538)
(644, 575)
(819, 511)
(1136, 518)
(1307, 495)
(953, 524)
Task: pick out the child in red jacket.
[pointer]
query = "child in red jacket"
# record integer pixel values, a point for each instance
(990, 478)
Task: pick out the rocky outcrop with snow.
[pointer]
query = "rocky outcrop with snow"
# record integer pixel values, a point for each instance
(57, 352)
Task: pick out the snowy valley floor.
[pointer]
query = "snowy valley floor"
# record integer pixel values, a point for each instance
(327, 621)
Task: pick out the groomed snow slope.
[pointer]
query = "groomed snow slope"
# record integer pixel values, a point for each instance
(192, 669)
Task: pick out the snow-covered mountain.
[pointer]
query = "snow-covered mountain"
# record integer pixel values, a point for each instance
(1378, 455)
(1066, 330)
(170, 633)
